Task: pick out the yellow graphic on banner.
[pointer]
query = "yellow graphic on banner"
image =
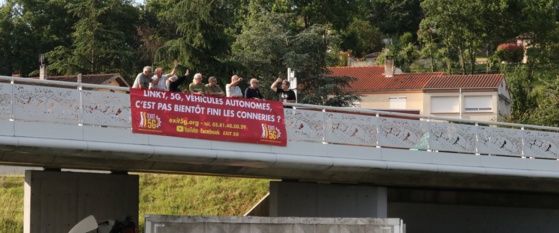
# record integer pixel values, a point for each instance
(270, 132)
(149, 120)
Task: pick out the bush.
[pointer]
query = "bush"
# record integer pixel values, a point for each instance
(510, 52)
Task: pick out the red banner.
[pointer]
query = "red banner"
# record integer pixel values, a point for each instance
(205, 117)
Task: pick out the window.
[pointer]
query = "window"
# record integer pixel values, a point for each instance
(398, 102)
(444, 104)
(477, 103)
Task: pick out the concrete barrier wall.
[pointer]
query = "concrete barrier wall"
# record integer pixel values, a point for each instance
(217, 224)
(56, 201)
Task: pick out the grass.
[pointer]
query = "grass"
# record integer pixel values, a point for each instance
(11, 200)
(159, 194)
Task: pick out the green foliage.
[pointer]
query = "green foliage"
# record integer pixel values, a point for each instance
(404, 52)
(203, 34)
(159, 194)
(268, 45)
(521, 85)
(6, 27)
(430, 49)
(326, 12)
(17, 41)
(547, 111)
(262, 38)
(103, 41)
(464, 27)
(396, 17)
(361, 38)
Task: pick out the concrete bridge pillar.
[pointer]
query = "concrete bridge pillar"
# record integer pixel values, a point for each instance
(56, 201)
(296, 199)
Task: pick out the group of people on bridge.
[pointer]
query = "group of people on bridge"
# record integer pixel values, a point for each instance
(170, 82)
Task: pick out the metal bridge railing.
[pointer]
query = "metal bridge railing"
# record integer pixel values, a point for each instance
(29, 100)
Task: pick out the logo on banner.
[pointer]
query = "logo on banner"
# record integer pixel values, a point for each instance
(270, 132)
(149, 120)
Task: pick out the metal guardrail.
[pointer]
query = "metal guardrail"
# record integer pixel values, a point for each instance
(41, 102)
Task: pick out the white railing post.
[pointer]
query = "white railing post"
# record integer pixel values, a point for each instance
(428, 134)
(378, 130)
(523, 142)
(12, 99)
(324, 126)
(476, 130)
(80, 88)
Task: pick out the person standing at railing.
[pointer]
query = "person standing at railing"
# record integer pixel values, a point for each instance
(159, 80)
(252, 92)
(212, 89)
(197, 87)
(174, 82)
(286, 95)
(143, 79)
(232, 89)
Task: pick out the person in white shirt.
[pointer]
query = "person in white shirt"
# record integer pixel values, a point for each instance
(159, 81)
(232, 89)
(143, 79)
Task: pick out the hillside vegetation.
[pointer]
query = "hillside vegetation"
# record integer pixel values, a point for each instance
(159, 194)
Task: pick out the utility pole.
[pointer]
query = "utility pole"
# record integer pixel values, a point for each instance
(292, 81)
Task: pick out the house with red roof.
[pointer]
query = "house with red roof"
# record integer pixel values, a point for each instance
(100, 79)
(476, 97)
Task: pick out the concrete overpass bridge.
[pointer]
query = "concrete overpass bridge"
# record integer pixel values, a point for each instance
(437, 174)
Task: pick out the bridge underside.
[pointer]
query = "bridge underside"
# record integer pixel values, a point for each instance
(360, 165)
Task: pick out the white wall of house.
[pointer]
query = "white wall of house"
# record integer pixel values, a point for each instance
(504, 103)
(467, 105)
(485, 106)
(395, 100)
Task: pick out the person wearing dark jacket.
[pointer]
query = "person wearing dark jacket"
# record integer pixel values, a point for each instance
(252, 91)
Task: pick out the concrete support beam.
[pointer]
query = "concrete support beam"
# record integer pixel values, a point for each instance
(56, 201)
(294, 199)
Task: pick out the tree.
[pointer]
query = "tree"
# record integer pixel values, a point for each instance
(104, 40)
(17, 40)
(203, 36)
(268, 46)
(547, 111)
(263, 48)
(326, 12)
(464, 26)
(430, 49)
(361, 38)
(50, 21)
(6, 27)
(395, 17)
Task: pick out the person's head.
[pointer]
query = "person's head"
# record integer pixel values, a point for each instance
(285, 85)
(197, 78)
(235, 78)
(147, 70)
(212, 81)
(254, 83)
(158, 72)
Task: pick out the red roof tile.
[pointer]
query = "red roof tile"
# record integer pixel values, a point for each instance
(99, 79)
(465, 81)
(371, 79)
(86, 78)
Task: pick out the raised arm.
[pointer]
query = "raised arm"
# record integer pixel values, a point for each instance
(176, 64)
(274, 86)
